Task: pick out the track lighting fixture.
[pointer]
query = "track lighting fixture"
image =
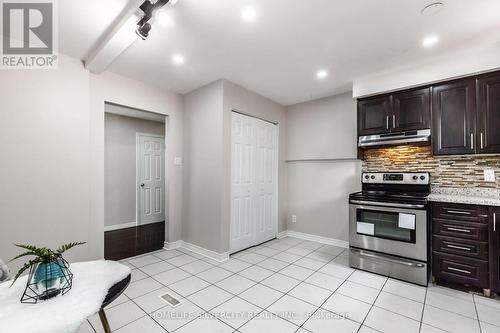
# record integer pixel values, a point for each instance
(149, 7)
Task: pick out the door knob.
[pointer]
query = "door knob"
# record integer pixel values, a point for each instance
(142, 185)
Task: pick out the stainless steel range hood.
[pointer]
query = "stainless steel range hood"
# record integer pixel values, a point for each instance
(398, 138)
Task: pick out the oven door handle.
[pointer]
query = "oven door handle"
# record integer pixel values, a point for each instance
(386, 204)
(386, 258)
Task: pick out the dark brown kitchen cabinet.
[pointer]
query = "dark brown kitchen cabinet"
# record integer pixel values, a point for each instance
(488, 109)
(454, 117)
(374, 114)
(494, 240)
(412, 110)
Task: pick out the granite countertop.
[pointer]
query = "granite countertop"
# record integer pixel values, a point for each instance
(475, 196)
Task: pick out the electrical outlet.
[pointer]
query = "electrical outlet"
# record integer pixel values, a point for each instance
(177, 160)
(294, 218)
(489, 175)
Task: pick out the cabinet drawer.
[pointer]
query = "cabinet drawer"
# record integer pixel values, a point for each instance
(462, 247)
(460, 212)
(461, 270)
(462, 230)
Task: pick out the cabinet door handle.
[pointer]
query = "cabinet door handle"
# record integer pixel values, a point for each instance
(387, 122)
(458, 212)
(459, 230)
(459, 270)
(494, 221)
(472, 141)
(482, 142)
(458, 247)
(393, 121)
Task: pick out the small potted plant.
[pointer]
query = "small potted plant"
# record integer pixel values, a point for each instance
(49, 273)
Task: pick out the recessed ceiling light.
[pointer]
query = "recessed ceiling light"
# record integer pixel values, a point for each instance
(432, 8)
(248, 13)
(173, 2)
(430, 41)
(164, 18)
(321, 74)
(178, 59)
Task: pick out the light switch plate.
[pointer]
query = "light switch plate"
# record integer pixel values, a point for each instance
(294, 218)
(177, 160)
(489, 175)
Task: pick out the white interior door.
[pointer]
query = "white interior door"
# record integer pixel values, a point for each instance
(253, 182)
(150, 178)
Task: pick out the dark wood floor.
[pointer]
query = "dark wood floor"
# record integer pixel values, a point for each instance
(129, 242)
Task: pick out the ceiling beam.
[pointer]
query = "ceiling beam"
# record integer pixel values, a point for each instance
(118, 38)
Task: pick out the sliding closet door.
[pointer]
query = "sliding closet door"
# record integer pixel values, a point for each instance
(253, 182)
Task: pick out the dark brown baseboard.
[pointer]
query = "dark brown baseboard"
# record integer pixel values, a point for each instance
(124, 243)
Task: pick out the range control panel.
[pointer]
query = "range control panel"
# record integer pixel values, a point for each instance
(418, 178)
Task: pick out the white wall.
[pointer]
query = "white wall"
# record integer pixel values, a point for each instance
(203, 167)
(44, 140)
(448, 66)
(120, 183)
(322, 167)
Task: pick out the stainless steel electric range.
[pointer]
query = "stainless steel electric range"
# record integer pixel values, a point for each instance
(388, 226)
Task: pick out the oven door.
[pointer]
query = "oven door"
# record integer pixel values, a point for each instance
(396, 229)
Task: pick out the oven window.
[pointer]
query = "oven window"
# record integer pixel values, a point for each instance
(385, 225)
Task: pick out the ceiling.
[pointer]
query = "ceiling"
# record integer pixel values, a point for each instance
(279, 53)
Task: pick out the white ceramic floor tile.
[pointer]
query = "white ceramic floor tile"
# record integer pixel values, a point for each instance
(141, 287)
(390, 322)
(196, 267)
(268, 322)
(366, 329)
(267, 251)
(325, 281)
(235, 265)
(256, 273)
(368, 279)
(358, 291)
(210, 297)
(287, 257)
(173, 318)
(261, 295)
(449, 321)
(157, 268)
(337, 270)
(404, 289)
(235, 312)
(168, 254)
(310, 245)
(488, 314)
(171, 276)
(253, 258)
(118, 316)
(488, 328)
(348, 307)
(280, 246)
(188, 286)
(327, 322)
(280, 282)
(400, 305)
(321, 256)
(342, 259)
(205, 324)
(151, 302)
(181, 260)
(273, 264)
(450, 292)
(212, 261)
(214, 275)
(331, 249)
(310, 293)
(292, 240)
(121, 299)
(309, 263)
(431, 329)
(300, 251)
(235, 284)
(144, 260)
(458, 305)
(297, 272)
(85, 328)
(145, 324)
(136, 275)
(292, 309)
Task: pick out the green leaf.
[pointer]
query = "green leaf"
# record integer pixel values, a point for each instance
(66, 247)
(24, 268)
(29, 253)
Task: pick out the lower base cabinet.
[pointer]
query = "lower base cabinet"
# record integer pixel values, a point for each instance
(466, 245)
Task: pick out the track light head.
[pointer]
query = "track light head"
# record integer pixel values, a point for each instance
(148, 7)
(143, 31)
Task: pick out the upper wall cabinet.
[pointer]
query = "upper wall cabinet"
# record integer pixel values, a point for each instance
(411, 110)
(374, 114)
(454, 116)
(405, 111)
(488, 113)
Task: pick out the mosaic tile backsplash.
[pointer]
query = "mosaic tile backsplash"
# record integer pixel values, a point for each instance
(446, 171)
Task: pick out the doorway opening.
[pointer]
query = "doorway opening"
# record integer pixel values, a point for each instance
(134, 181)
